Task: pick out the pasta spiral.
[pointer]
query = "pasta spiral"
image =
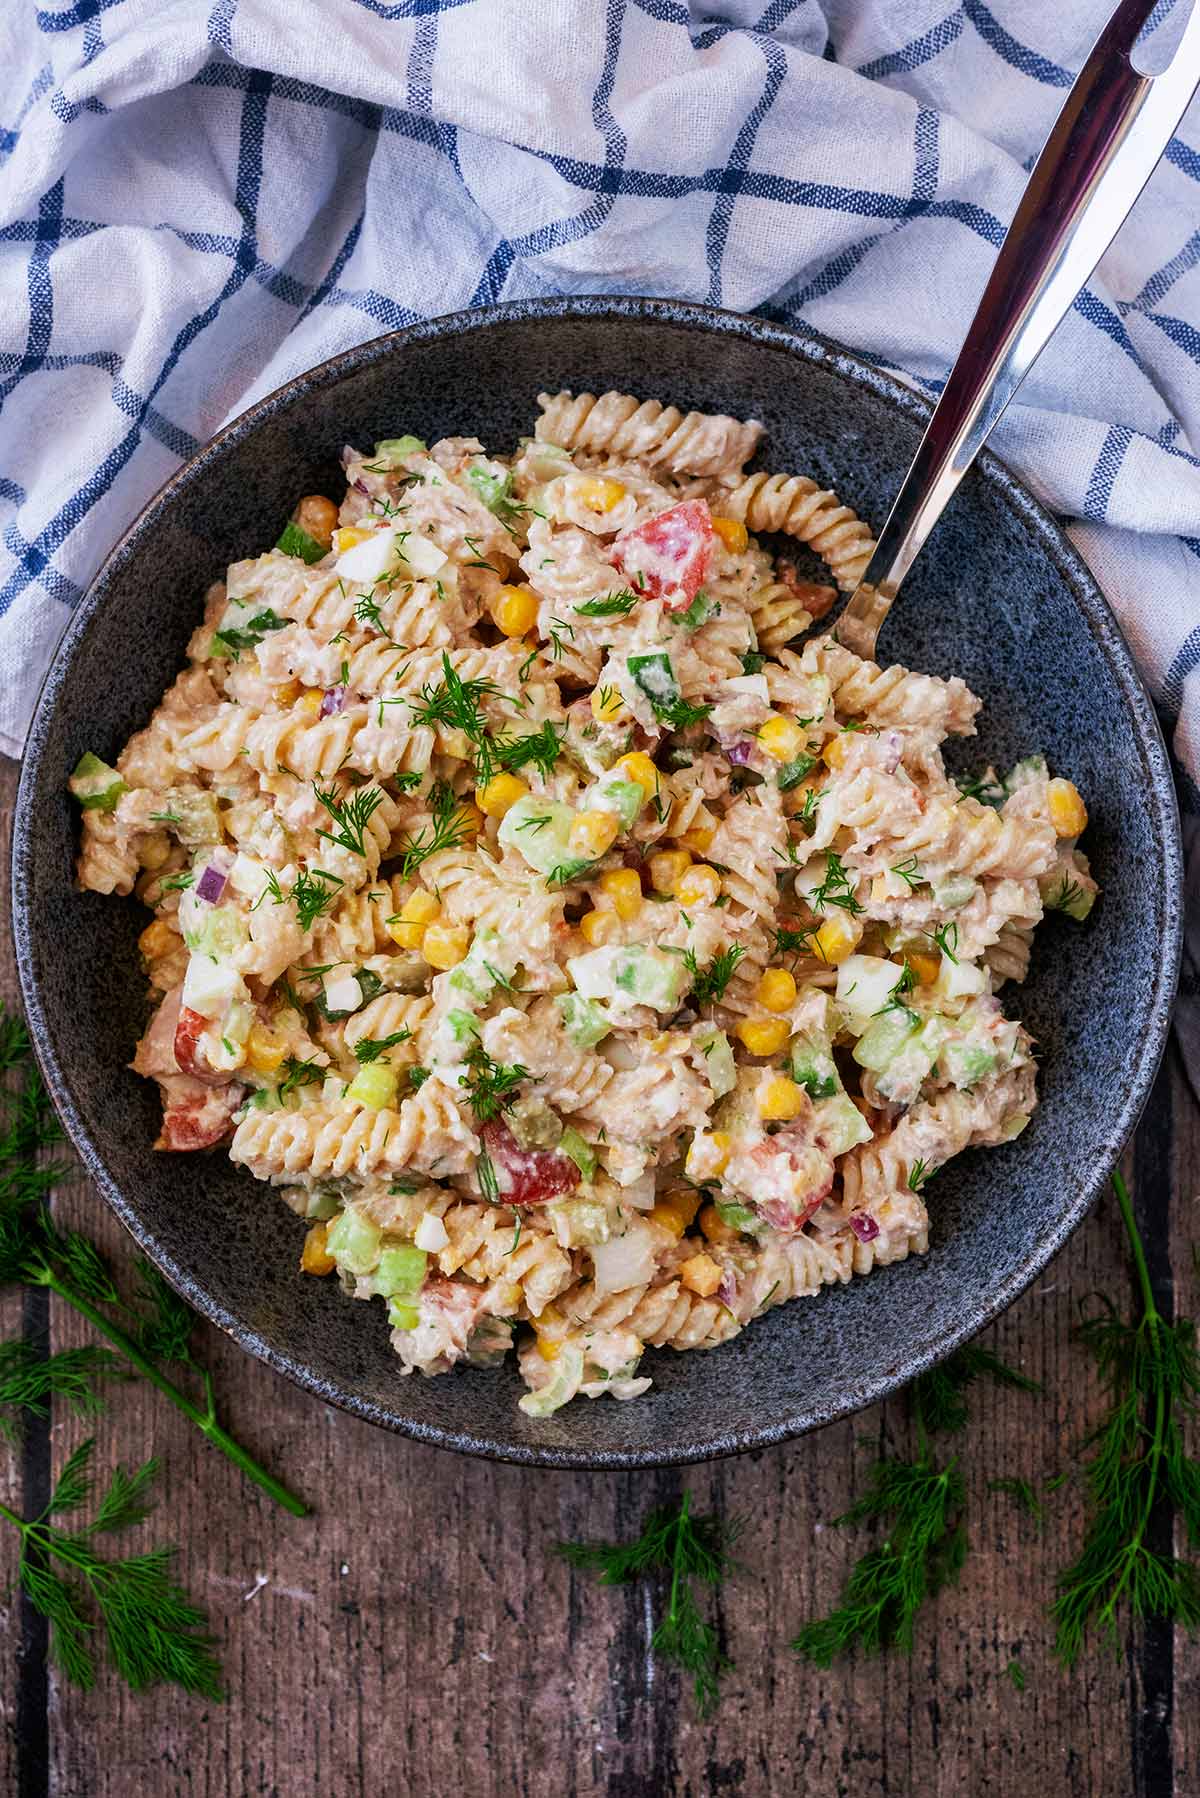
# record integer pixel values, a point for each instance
(796, 506)
(616, 424)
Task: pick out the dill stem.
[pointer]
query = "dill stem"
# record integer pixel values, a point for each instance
(1151, 1321)
(11, 1517)
(680, 1526)
(204, 1420)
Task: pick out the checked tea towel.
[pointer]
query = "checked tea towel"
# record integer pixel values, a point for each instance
(198, 198)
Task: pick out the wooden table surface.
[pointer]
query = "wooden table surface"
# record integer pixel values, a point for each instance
(415, 1635)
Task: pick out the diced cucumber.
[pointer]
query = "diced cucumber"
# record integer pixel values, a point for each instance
(96, 786)
(354, 1241)
(562, 1386)
(737, 1216)
(814, 1068)
(240, 629)
(402, 1316)
(654, 675)
(584, 1022)
(702, 608)
(580, 1223)
(538, 829)
(488, 963)
(644, 975)
(839, 1125)
(899, 1073)
(394, 449)
(321, 1204)
(953, 892)
(462, 1025)
(216, 931)
(719, 1068)
(374, 1086)
(296, 542)
(401, 1271)
(624, 797)
(580, 1150)
(493, 485)
(884, 1039)
(966, 1063)
(193, 817)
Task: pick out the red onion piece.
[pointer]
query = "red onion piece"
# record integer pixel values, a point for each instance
(334, 701)
(740, 753)
(864, 1226)
(210, 885)
(727, 1291)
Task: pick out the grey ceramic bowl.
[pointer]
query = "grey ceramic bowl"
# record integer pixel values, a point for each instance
(998, 597)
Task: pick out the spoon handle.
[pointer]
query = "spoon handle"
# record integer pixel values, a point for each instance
(1100, 153)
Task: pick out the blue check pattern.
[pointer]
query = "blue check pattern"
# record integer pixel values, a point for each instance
(198, 201)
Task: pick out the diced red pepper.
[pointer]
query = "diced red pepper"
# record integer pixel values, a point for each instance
(189, 1055)
(197, 1116)
(669, 556)
(796, 1177)
(526, 1176)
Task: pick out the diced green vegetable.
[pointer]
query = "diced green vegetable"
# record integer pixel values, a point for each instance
(462, 1025)
(584, 1022)
(647, 976)
(487, 964)
(702, 608)
(237, 632)
(493, 487)
(839, 1125)
(193, 817)
(580, 1223)
(580, 1150)
(814, 1068)
(737, 1216)
(624, 797)
(394, 449)
(719, 1068)
(354, 1241)
(401, 1316)
(884, 1038)
(538, 829)
(953, 892)
(401, 1271)
(792, 773)
(563, 1383)
(375, 1085)
(216, 931)
(655, 676)
(864, 985)
(321, 1204)
(298, 543)
(96, 786)
(966, 1063)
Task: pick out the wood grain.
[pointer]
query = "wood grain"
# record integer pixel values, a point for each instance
(417, 1634)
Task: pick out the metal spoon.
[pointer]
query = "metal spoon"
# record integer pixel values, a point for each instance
(1099, 155)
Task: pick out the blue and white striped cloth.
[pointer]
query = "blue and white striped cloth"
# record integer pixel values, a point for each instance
(198, 198)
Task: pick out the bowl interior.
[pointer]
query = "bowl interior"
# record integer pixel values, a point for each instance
(998, 597)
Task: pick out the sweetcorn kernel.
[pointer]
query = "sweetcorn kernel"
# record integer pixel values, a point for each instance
(420, 908)
(597, 492)
(668, 1218)
(153, 850)
(598, 927)
(287, 694)
(763, 1036)
(776, 991)
(548, 1348)
(698, 840)
(925, 964)
(468, 820)
(700, 885)
(834, 753)
(592, 834)
(406, 933)
(686, 1201)
(637, 766)
(700, 1274)
(781, 738)
(314, 1256)
(157, 939)
(445, 945)
(310, 702)
(1068, 813)
(837, 938)
(780, 1098)
(624, 887)
(667, 867)
(733, 534)
(265, 1049)
(500, 793)
(514, 610)
(348, 537)
(608, 704)
(715, 1227)
(708, 1156)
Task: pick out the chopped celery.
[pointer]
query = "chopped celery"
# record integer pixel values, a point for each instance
(298, 543)
(96, 786)
(321, 1204)
(401, 1271)
(374, 1085)
(580, 1150)
(583, 1021)
(702, 608)
(354, 1242)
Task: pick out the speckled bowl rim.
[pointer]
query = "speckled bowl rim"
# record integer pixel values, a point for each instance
(1162, 808)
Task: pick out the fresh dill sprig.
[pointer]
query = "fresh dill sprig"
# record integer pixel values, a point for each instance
(984, 787)
(1016, 1674)
(909, 871)
(350, 815)
(1138, 1462)
(837, 888)
(708, 984)
(313, 898)
(541, 747)
(34, 1251)
(793, 942)
(29, 1380)
(945, 938)
(489, 1085)
(1023, 1496)
(922, 1503)
(370, 1048)
(609, 605)
(297, 1074)
(1064, 895)
(679, 1548)
(456, 704)
(448, 828)
(153, 1631)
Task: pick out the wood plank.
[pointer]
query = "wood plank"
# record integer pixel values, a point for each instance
(418, 1634)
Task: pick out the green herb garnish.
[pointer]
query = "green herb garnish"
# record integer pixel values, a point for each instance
(350, 816)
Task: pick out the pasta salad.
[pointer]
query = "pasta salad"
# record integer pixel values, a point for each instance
(588, 967)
